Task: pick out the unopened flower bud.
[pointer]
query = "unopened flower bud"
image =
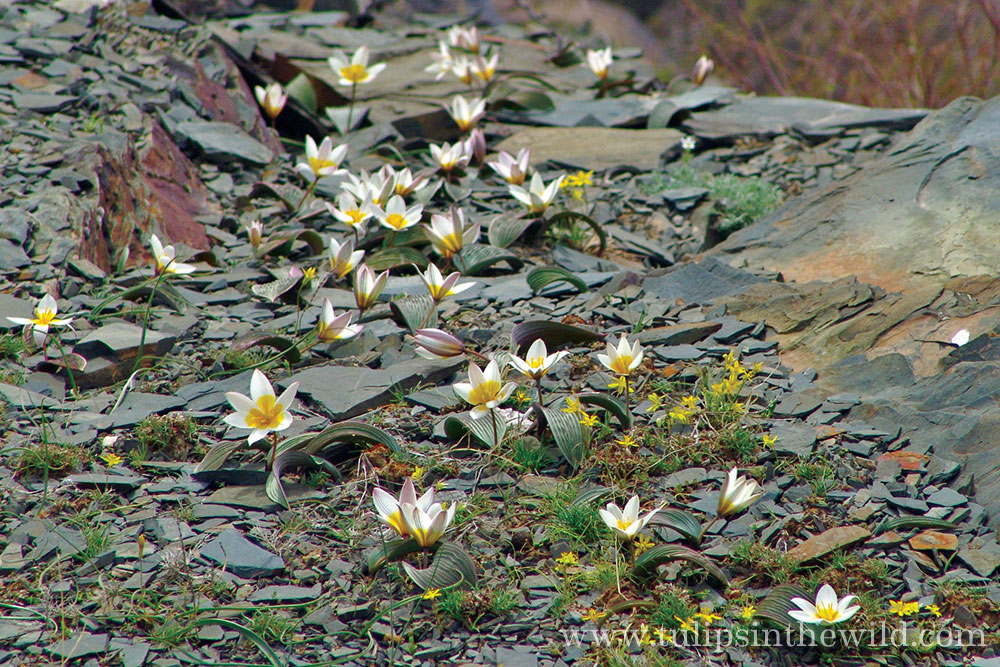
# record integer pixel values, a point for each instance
(702, 68)
(437, 344)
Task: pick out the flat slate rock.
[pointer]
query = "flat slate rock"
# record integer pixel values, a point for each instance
(348, 391)
(574, 146)
(827, 542)
(286, 594)
(766, 117)
(678, 334)
(122, 340)
(80, 645)
(224, 143)
(699, 283)
(242, 557)
(96, 480)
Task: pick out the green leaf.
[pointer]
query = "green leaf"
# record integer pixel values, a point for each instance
(289, 195)
(279, 343)
(680, 521)
(301, 90)
(166, 294)
(546, 275)
(535, 100)
(554, 334)
(390, 551)
(505, 229)
(452, 566)
(778, 603)
(647, 562)
(349, 432)
(313, 239)
(477, 258)
(217, 455)
(414, 312)
(290, 459)
(274, 289)
(396, 256)
(902, 522)
(284, 244)
(611, 404)
(244, 632)
(568, 216)
(566, 431)
(590, 494)
(481, 429)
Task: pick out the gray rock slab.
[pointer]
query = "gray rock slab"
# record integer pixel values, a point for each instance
(769, 116)
(699, 283)
(41, 102)
(136, 406)
(122, 340)
(793, 438)
(287, 594)
(96, 480)
(348, 391)
(224, 143)
(12, 256)
(80, 645)
(242, 557)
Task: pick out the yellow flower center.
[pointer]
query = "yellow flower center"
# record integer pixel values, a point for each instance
(44, 317)
(451, 243)
(316, 164)
(827, 612)
(485, 74)
(484, 393)
(395, 220)
(268, 414)
(354, 73)
(356, 215)
(395, 521)
(536, 362)
(623, 524)
(621, 364)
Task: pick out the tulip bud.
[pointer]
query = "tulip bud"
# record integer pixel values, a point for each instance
(437, 344)
(255, 231)
(737, 494)
(702, 68)
(476, 145)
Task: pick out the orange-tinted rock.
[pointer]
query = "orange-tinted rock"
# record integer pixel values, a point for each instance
(932, 539)
(827, 542)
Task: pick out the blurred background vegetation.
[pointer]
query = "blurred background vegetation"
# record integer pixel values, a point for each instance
(908, 53)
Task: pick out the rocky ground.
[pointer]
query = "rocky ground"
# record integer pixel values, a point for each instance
(812, 350)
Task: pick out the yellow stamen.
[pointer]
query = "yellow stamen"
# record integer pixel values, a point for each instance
(536, 362)
(354, 73)
(484, 393)
(827, 612)
(268, 414)
(44, 317)
(395, 220)
(316, 164)
(621, 364)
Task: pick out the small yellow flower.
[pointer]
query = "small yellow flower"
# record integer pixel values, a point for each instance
(594, 615)
(664, 635)
(680, 415)
(620, 384)
(768, 440)
(709, 618)
(431, 593)
(686, 624)
(418, 472)
(308, 274)
(567, 558)
(934, 609)
(648, 641)
(655, 400)
(912, 607)
(111, 459)
(572, 406)
(588, 420)
(690, 402)
(626, 441)
(579, 179)
(521, 396)
(747, 612)
(901, 608)
(643, 543)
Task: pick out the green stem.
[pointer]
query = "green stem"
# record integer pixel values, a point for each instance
(704, 530)
(541, 404)
(69, 371)
(145, 322)
(305, 195)
(350, 109)
(625, 379)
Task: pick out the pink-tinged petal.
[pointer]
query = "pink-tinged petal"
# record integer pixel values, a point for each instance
(385, 504)
(20, 320)
(408, 494)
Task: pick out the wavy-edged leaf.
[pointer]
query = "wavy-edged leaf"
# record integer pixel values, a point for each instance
(414, 312)
(778, 603)
(414, 236)
(302, 91)
(553, 333)
(291, 459)
(274, 289)
(166, 294)
(452, 566)
(288, 195)
(284, 345)
(283, 244)
(534, 100)
(505, 229)
(611, 404)
(70, 360)
(217, 455)
(244, 632)
(547, 275)
(349, 432)
(566, 431)
(396, 256)
(390, 551)
(477, 258)
(481, 429)
(572, 216)
(680, 521)
(902, 522)
(590, 494)
(647, 562)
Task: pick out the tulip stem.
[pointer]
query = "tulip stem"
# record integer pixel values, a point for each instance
(704, 530)
(625, 380)
(145, 321)
(350, 109)
(390, 239)
(479, 355)
(69, 371)
(306, 194)
(430, 312)
(274, 449)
